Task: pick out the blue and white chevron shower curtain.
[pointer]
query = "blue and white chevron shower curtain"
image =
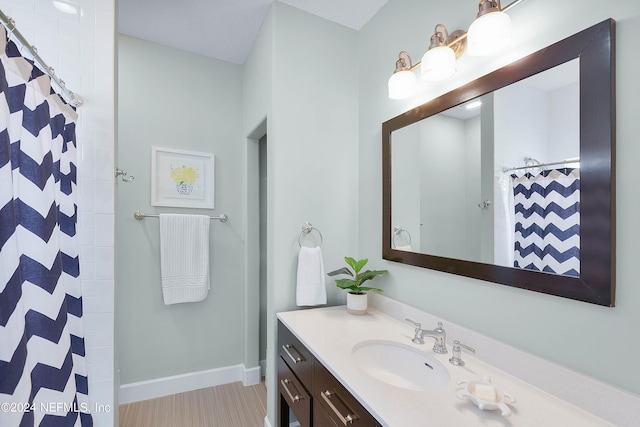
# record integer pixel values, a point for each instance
(43, 377)
(547, 221)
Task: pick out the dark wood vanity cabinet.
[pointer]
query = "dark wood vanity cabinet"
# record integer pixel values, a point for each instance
(295, 379)
(311, 392)
(333, 405)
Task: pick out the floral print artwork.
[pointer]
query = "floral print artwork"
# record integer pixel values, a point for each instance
(184, 177)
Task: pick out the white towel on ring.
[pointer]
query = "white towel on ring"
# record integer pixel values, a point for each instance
(310, 288)
(184, 257)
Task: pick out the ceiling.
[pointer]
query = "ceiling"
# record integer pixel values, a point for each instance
(224, 29)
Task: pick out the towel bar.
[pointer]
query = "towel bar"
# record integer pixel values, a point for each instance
(139, 215)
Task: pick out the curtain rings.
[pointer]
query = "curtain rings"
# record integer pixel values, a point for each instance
(13, 27)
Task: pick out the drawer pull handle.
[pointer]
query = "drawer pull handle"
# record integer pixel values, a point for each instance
(287, 347)
(349, 418)
(285, 382)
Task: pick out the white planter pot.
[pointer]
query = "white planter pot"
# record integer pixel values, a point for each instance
(357, 303)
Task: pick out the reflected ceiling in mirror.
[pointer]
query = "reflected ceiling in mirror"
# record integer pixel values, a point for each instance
(510, 178)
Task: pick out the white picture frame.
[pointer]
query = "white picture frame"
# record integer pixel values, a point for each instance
(181, 178)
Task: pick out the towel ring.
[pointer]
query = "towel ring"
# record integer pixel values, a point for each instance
(397, 230)
(306, 229)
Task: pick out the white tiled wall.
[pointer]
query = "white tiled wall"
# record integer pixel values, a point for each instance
(81, 50)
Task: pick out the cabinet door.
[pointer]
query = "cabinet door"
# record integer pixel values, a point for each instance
(321, 418)
(298, 358)
(338, 404)
(296, 397)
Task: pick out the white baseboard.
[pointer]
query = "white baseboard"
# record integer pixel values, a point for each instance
(159, 387)
(251, 376)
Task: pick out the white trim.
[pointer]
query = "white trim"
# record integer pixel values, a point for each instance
(159, 387)
(263, 368)
(251, 376)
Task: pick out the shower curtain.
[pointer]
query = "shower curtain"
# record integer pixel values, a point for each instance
(43, 378)
(547, 221)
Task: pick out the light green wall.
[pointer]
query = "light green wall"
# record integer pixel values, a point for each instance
(319, 90)
(256, 111)
(580, 336)
(171, 98)
(312, 120)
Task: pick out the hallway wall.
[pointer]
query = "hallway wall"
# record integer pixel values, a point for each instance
(308, 97)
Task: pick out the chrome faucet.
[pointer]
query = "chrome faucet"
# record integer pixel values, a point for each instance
(438, 334)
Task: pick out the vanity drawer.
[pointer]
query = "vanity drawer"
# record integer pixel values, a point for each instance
(298, 358)
(291, 390)
(322, 418)
(332, 401)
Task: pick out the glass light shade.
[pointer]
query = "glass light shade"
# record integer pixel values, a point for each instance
(488, 34)
(402, 84)
(438, 63)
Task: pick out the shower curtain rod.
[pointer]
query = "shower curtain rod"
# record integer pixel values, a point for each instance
(10, 26)
(541, 165)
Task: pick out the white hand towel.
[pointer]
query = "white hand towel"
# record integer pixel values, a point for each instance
(310, 289)
(184, 257)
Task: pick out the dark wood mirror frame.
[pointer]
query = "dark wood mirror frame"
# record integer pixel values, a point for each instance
(595, 47)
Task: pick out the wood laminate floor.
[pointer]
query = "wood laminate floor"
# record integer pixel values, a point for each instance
(227, 405)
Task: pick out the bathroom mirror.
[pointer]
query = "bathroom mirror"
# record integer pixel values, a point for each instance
(547, 119)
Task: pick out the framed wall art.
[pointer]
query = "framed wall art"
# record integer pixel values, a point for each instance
(181, 178)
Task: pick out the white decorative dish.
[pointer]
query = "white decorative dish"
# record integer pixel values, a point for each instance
(485, 395)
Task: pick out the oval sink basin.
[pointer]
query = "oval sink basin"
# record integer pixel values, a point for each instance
(400, 365)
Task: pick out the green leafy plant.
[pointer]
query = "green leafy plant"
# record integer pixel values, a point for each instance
(359, 277)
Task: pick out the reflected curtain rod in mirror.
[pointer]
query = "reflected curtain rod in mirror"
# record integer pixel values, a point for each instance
(594, 280)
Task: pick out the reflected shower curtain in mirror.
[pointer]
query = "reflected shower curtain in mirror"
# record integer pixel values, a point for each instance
(43, 377)
(547, 221)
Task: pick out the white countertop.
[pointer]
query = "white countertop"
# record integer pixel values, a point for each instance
(330, 334)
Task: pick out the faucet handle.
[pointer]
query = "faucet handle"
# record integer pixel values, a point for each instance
(417, 337)
(416, 324)
(440, 346)
(456, 359)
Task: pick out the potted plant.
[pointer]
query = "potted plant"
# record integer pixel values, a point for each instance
(357, 296)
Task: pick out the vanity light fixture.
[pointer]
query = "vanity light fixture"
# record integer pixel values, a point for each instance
(439, 62)
(489, 33)
(491, 30)
(402, 84)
